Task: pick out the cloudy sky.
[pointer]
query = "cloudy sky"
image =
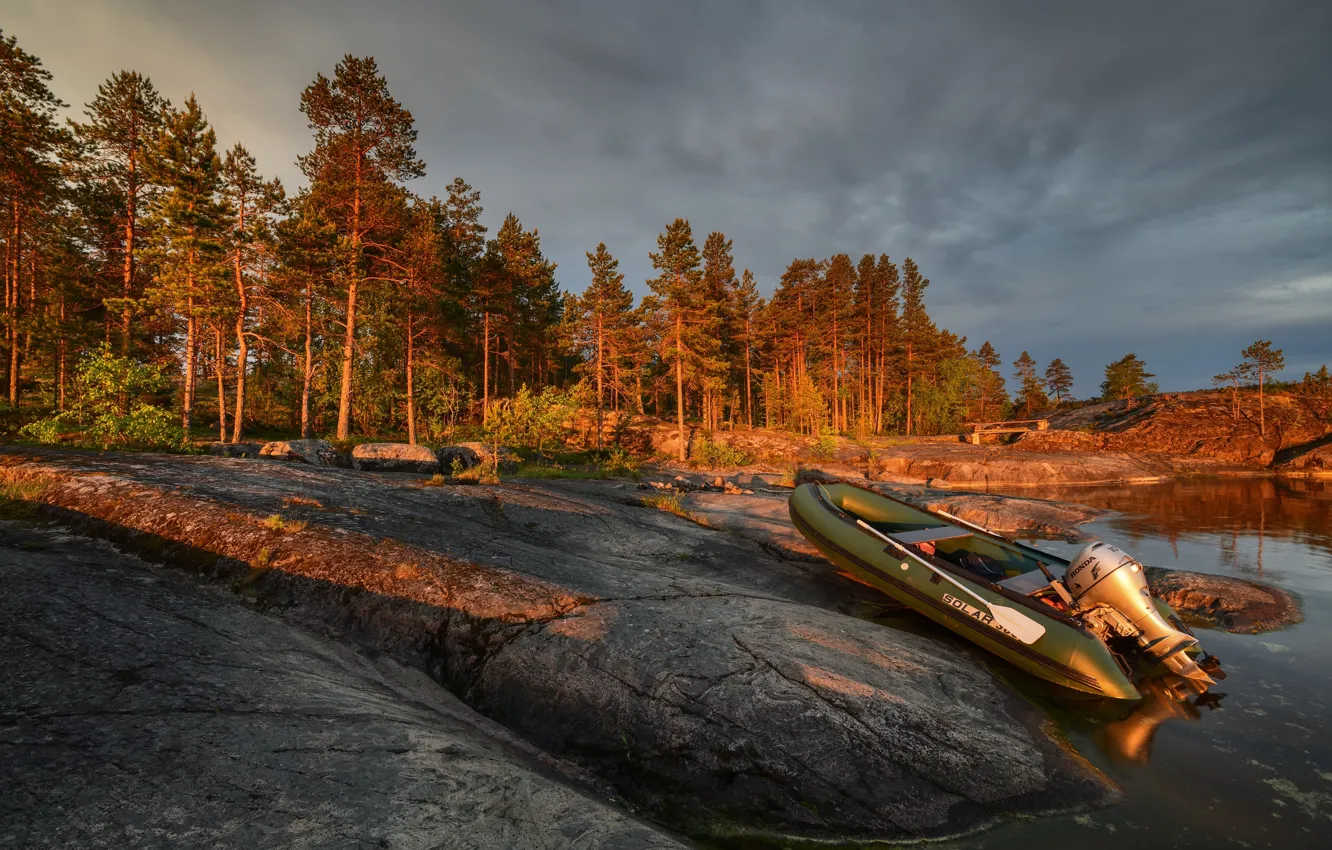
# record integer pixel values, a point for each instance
(1077, 179)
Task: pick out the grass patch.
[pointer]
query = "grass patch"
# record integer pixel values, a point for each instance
(548, 472)
(19, 499)
(289, 526)
(479, 474)
(293, 501)
(671, 503)
(436, 480)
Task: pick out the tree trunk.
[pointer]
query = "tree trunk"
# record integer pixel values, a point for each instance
(679, 381)
(60, 360)
(749, 386)
(127, 273)
(600, 372)
(242, 342)
(411, 386)
(1262, 421)
(307, 376)
(187, 404)
(908, 388)
(220, 369)
(348, 358)
(485, 369)
(14, 292)
(349, 343)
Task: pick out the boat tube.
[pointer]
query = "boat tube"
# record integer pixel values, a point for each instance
(1076, 622)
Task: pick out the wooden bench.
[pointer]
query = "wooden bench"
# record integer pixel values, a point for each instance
(1011, 426)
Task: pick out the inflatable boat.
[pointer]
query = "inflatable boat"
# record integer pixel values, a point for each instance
(1089, 623)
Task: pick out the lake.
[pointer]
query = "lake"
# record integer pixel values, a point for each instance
(1255, 769)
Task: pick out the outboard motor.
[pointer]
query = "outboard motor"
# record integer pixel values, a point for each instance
(1110, 588)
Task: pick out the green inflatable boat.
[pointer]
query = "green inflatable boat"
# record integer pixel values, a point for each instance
(1087, 623)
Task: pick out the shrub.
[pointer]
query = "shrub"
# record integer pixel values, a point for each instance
(110, 407)
(620, 464)
(718, 455)
(534, 420)
(825, 447)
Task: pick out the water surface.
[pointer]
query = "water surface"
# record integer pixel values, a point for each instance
(1256, 769)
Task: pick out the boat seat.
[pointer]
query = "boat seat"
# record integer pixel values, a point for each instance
(1029, 582)
(930, 535)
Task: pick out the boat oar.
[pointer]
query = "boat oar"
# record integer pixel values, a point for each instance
(1013, 621)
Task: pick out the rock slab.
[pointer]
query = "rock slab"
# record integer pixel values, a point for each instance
(313, 452)
(712, 683)
(141, 711)
(394, 457)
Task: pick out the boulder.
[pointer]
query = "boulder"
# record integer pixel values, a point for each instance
(313, 452)
(472, 454)
(1316, 461)
(394, 457)
(1224, 602)
(235, 449)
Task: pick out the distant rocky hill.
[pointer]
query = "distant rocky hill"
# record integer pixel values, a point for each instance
(1197, 424)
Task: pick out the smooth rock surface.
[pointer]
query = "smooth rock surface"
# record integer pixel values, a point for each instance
(140, 711)
(394, 457)
(313, 452)
(713, 683)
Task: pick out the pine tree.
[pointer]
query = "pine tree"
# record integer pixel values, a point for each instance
(123, 120)
(677, 287)
(1316, 393)
(715, 337)
(29, 183)
(916, 326)
(1243, 372)
(422, 262)
(993, 382)
(186, 221)
(1126, 378)
(1059, 378)
(890, 323)
(306, 255)
(840, 281)
(599, 318)
(252, 205)
(364, 144)
(1025, 374)
(1262, 359)
(748, 308)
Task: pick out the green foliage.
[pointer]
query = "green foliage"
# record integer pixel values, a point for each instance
(1059, 378)
(620, 464)
(111, 408)
(1126, 378)
(825, 447)
(942, 405)
(532, 419)
(669, 502)
(1316, 393)
(713, 455)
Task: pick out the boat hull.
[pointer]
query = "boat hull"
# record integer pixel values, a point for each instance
(1065, 654)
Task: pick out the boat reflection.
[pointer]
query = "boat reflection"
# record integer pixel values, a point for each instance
(1129, 740)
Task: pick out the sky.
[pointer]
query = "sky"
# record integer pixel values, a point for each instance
(1079, 180)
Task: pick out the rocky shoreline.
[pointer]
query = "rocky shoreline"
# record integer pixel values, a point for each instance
(701, 671)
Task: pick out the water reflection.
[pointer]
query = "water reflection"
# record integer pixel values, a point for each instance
(1129, 741)
(1255, 769)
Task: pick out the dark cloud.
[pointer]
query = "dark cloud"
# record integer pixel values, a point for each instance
(1076, 179)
